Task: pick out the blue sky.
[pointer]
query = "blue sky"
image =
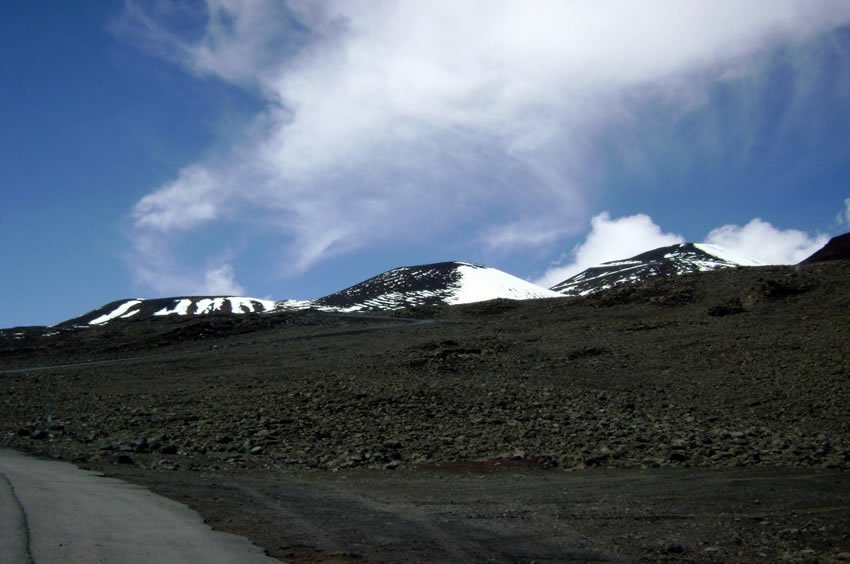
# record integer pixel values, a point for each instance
(287, 150)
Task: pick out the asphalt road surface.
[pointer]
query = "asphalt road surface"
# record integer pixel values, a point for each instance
(53, 512)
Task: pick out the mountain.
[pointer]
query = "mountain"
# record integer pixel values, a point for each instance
(837, 248)
(164, 307)
(432, 284)
(429, 284)
(678, 259)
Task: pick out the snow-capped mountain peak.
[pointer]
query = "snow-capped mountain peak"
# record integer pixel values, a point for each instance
(727, 255)
(432, 284)
(677, 259)
(164, 307)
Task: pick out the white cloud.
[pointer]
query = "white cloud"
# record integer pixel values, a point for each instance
(221, 281)
(621, 238)
(611, 239)
(171, 280)
(475, 114)
(844, 216)
(765, 243)
(156, 269)
(182, 204)
(513, 236)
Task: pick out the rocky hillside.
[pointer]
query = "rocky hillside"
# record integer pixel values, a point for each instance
(731, 367)
(837, 248)
(665, 261)
(444, 283)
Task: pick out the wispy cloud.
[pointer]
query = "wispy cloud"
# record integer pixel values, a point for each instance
(158, 270)
(843, 217)
(189, 201)
(476, 115)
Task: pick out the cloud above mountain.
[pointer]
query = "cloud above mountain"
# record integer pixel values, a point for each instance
(610, 239)
(470, 116)
(765, 243)
(620, 238)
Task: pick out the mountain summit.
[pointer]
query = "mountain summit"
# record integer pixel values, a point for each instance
(163, 307)
(432, 284)
(673, 260)
(443, 283)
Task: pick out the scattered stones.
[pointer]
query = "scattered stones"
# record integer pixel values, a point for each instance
(628, 379)
(638, 383)
(731, 307)
(674, 548)
(102, 445)
(678, 456)
(140, 445)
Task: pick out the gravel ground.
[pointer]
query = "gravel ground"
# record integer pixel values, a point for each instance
(743, 370)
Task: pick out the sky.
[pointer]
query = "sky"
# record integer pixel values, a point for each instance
(289, 149)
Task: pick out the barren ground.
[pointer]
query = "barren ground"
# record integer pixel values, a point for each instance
(699, 418)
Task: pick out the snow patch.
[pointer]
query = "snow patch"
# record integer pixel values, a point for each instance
(117, 312)
(208, 305)
(481, 284)
(726, 255)
(293, 304)
(250, 305)
(181, 308)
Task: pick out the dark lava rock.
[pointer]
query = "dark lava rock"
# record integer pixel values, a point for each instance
(838, 248)
(674, 548)
(731, 307)
(140, 445)
(639, 382)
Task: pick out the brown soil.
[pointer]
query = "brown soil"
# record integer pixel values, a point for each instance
(700, 418)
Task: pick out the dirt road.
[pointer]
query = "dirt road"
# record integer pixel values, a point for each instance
(486, 513)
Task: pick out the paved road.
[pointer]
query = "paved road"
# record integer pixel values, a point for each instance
(52, 512)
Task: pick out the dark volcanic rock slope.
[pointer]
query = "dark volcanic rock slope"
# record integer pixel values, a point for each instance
(838, 248)
(737, 367)
(443, 283)
(665, 261)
